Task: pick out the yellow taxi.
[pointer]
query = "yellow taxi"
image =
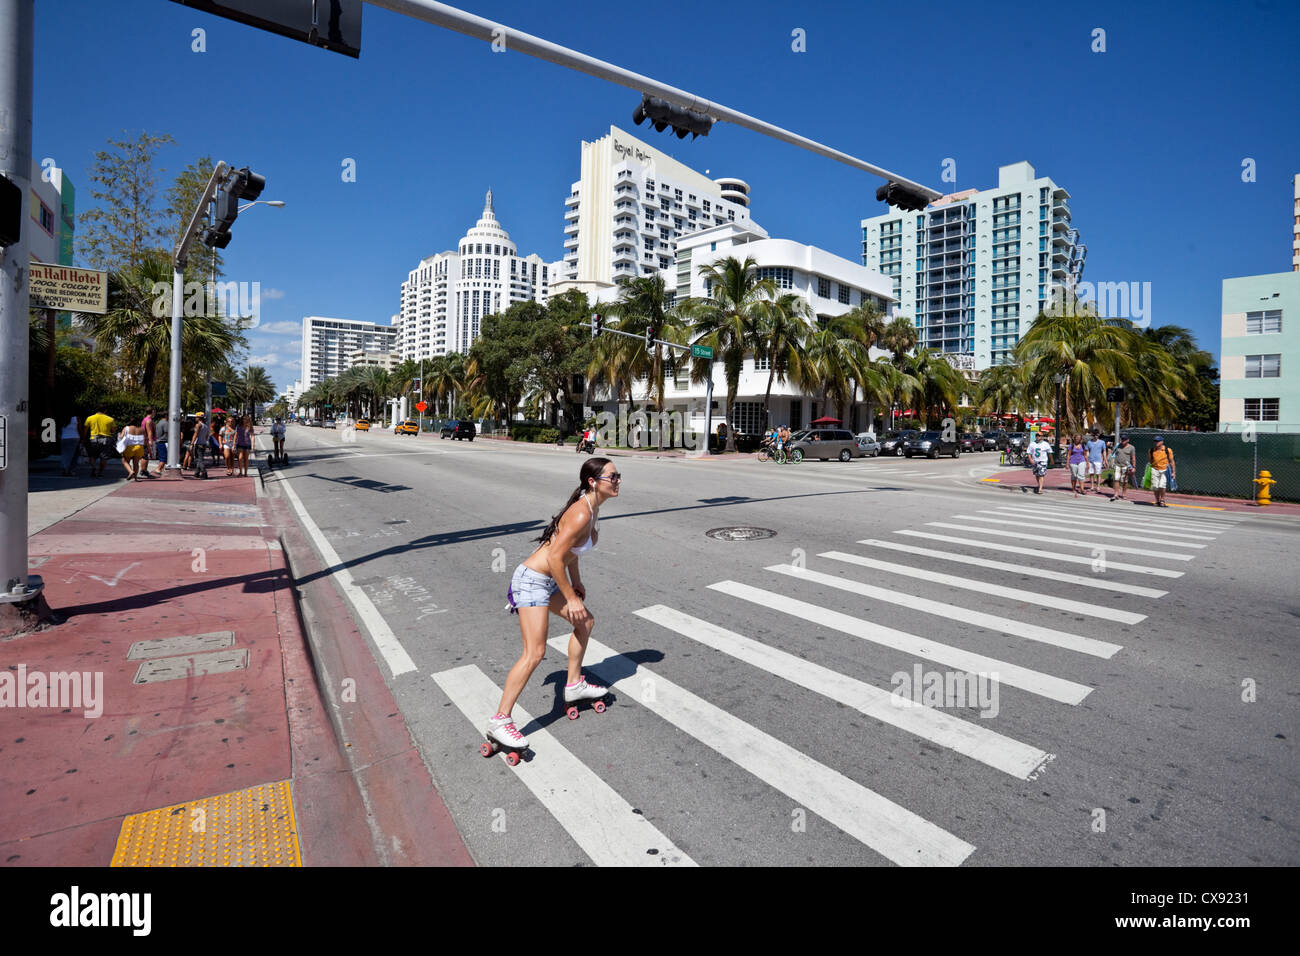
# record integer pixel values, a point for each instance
(362, 425)
(408, 427)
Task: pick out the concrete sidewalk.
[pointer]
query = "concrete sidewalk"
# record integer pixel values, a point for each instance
(172, 716)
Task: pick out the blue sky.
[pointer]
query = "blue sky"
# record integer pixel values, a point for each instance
(1149, 137)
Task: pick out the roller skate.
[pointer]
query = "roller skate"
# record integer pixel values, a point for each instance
(503, 735)
(574, 694)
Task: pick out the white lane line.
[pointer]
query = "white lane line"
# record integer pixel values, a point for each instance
(1147, 516)
(1090, 522)
(938, 727)
(1013, 675)
(1051, 525)
(1111, 520)
(1044, 555)
(1007, 625)
(983, 587)
(894, 832)
(1095, 545)
(399, 662)
(1024, 569)
(600, 821)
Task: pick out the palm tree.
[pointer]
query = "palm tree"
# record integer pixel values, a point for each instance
(642, 305)
(728, 319)
(782, 328)
(1093, 353)
(940, 384)
(899, 337)
(831, 361)
(1001, 389)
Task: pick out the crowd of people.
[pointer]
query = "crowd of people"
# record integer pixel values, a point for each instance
(1089, 457)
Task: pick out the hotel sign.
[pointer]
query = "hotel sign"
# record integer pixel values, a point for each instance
(625, 152)
(67, 289)
(961, 361)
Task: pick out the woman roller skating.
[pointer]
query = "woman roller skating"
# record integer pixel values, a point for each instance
(548, 582)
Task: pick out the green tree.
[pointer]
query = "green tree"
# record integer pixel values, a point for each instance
(125, 225)
(783, 326)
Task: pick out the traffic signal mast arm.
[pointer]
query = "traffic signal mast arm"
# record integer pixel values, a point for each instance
(181, 254)
(650, 340)
(439, 14)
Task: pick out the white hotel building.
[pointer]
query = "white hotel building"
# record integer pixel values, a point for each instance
(446, 296)
(624, 216)
(328, 343)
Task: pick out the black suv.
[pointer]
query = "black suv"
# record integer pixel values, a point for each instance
(892, 443)
(932, 445)
(458, 430)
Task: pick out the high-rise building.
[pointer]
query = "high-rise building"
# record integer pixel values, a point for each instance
(1295, 229)
(327, 343)
(445, 297)
(622, 219)
(975, 268)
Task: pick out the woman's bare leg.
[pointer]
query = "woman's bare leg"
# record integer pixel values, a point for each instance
(532, 626)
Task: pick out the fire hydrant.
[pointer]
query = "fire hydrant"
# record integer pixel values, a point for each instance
(1265, 481)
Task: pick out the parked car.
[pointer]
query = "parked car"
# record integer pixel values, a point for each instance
(987, 442)
(970, 443)
(362, 425)
(892, 443)
(867, 442)
(932, 445)
(328, 423)
(408, 427)
(464, 430)
(826, 443)
(1018, 440)
(448, 428)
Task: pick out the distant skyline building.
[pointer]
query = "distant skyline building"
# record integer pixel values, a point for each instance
(1295, 229)
(975, 268)
(445, 297)
(328, 342)
(624, 215)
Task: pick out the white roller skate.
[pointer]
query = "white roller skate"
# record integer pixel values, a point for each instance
(503, 735)
(575, 694)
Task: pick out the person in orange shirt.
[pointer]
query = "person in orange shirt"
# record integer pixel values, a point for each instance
(1162, 469)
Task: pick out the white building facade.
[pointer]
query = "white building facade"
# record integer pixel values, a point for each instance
(975, 268)
(624, 216)
(327, 344)
(445, 297)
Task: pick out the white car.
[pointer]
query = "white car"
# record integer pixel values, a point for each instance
(867, 442)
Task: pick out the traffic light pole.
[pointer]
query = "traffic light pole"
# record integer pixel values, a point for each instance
(441, 15)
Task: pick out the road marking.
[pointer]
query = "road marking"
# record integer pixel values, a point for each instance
(1007, 625)
(969, 584)
(1174, 504)
(1026, 536)
(117, 577)
(600, 821)
(1094, 522)
(1013, 675)
(990, 479)
(1024, 569)
(1045, 555)
(894, 832)
(1126, 515)
(970, 739)
(1051, 525)
(399, 662)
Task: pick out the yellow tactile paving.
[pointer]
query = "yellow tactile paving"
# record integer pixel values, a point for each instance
(253, 827)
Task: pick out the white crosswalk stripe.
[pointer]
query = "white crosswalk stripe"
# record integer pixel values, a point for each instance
(1013, 675)
(1044, 555)
(983, 587)
(600, 821)
(1123, 519)
(1146, 515)
(1024, 569)
(894, 832)
(1007, 625)
(1073, 542)
(1053, 525)
(1087, 521)
(936, 726)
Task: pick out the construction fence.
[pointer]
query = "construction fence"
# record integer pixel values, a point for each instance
(1225, 464)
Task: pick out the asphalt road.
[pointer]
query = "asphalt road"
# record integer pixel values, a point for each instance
(752, 719)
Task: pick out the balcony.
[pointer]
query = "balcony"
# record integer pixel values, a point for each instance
(571, 213)
(571, 242)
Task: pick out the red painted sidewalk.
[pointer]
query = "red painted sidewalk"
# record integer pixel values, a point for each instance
(164, 559)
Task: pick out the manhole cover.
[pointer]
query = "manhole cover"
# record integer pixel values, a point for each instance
(740, 534)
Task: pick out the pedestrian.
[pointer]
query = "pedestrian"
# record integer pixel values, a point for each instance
(244, 443)
(147, 424)
(1123, 464)
(70, 439)
(228, 433)
(131, 443)
(277, 437)
(549, 582)
(100, 429)
(1078, 459)
(1039, 452)
(1163, 470)
(198, 442)
(161, 431)
(1098, 456)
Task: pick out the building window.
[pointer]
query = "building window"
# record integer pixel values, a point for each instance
(783, 277)
(1264, 323)
(1261, 410)
(762, 364)
(843, 294)
(824, 287)
(1264, 366)
(747, 418)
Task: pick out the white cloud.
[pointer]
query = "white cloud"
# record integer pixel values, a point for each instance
(281, 328)
(293, 364)
(270, 358)
(272, 293)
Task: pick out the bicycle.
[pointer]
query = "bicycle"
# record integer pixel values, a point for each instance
(1010, 456)
(771, 453)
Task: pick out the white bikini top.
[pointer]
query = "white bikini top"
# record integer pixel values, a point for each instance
(591, 537)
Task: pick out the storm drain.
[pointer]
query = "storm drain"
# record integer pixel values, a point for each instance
(193, 665)
(185, 644)
(740, 534)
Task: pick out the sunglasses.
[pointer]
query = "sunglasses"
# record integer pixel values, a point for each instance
(614, 477)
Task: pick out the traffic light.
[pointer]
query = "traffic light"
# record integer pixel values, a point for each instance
(597, 324)
(904, 197)
(649, 337)
(663, 114)
(239, 186)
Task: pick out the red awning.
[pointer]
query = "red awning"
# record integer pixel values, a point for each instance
(826, 421)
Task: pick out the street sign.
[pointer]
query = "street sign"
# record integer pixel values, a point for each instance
(218, 389)
(421, 406)
(702, 351)
(67, 289)
(335, 25)
(1115, 394)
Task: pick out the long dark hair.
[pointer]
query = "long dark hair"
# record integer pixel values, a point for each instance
(590, 469)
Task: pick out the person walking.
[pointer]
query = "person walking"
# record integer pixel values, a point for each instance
(1098, 457)
(1078, 458)
(70, 440)
(161, 431)
(1123, 464)
(244, 443)
(198, 442)
(131, 443)
(147, 424)
(228, 434)
(277, 438)
(1039, 451)
(549, 582)
(100, 429)
(1163, 470)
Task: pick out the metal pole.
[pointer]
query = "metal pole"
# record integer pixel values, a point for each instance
(174, 393)
(439, 14)
(708, 409)
(17, 33)
(1056, 455)
(420, 430)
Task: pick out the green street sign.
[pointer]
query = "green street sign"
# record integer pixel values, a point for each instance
(702, 351)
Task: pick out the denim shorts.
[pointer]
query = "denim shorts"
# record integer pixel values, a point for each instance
(529, 588)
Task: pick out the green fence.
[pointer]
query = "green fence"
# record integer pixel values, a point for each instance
(1225, 464)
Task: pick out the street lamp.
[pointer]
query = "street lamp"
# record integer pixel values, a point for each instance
(278, 203)
(1060, 378)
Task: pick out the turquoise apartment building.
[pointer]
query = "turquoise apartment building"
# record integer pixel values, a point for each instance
(1259, 363)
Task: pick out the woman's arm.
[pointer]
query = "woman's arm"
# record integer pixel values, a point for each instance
(566, 538)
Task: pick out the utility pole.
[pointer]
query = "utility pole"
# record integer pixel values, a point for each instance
(17, 38)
